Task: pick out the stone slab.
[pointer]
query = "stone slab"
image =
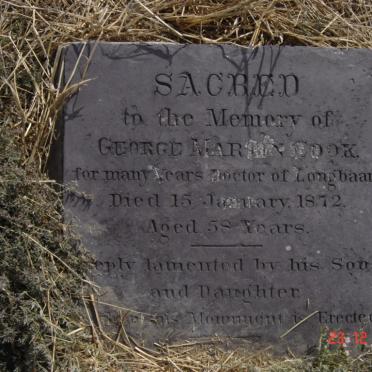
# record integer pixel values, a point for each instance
(224, 190)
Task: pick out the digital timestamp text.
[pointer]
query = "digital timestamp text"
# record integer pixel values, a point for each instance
(342, 338)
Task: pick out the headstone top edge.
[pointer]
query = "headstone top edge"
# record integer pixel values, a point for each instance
(195, 45)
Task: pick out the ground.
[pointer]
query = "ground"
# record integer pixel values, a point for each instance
(48, 320)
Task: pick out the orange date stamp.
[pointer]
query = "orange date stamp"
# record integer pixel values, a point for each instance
(342, 338)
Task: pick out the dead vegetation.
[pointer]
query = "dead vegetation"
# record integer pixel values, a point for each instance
(44, 322)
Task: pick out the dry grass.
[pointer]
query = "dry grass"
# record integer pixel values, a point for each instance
(31, 32)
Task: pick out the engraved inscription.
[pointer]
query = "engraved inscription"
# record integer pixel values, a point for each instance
(224, 190)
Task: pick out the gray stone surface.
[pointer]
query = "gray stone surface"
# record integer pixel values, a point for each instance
(225, 191)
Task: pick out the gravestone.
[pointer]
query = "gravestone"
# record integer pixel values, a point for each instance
(224, 190)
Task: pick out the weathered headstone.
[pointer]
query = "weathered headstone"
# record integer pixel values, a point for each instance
(224, 190)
